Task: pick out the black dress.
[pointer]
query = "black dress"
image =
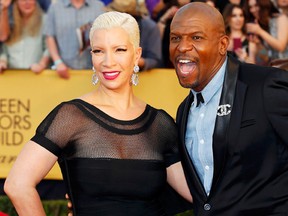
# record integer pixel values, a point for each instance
(110, 166)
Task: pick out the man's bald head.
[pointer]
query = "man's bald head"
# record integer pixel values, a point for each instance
(200, 9)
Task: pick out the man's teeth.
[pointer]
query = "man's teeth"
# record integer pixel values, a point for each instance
(184, 61)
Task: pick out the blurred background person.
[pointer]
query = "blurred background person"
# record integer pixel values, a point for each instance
(282, 5)
(209, 2)
(25, 47)
(5, 6)
(270, 25)
(239, 45)
(164, 18)
(44, 4)
(150, 39)
(151, 4)
(221, 4)
(64, 18)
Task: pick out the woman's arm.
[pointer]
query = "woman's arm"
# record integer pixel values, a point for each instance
(4, 19)
(31, 166)
(278, 43)
(177, 180)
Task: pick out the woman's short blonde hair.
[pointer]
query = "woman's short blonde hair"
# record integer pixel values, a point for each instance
(114, 19)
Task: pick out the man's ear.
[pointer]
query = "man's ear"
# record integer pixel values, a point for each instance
(223, 45)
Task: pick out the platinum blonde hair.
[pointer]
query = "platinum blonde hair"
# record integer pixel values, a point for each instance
(114, 19)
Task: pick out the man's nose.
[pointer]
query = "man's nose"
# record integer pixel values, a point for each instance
(185, 45)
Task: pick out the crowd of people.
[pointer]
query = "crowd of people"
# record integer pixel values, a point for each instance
(56, 31)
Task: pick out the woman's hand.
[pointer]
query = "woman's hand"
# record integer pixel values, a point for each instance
(69, 205)
(5, 4)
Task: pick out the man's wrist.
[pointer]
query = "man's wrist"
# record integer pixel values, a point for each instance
(56, 63)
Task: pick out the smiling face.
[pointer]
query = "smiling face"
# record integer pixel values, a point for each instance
(113, 57)
(282, 3)
(26, 7)
(198, 44)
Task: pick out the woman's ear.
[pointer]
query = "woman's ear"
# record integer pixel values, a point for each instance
(138, 52)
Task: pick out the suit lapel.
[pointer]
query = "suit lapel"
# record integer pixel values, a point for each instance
(226, 105)
(190, 169)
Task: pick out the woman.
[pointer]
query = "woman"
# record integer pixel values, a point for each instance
(269, 25)
(282, 5)
(239, 45)
(25, 47)
(113, 149)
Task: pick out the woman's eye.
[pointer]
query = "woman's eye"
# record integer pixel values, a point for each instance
(121, 50)
(95, 51)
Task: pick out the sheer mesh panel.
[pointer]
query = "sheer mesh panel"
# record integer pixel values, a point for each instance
(83, 131)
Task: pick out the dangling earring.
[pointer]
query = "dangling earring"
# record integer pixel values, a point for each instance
(135, 78)
(94, 77)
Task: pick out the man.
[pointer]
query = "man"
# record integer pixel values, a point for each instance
(64, 17)
(234, 143)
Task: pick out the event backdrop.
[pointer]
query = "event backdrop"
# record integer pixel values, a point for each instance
(26, 98)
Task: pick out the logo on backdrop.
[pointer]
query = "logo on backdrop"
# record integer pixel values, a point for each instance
(14, 122)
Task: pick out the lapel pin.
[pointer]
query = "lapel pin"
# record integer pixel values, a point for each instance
(224, 110)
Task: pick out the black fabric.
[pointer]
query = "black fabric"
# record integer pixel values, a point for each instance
(110, 166)
(250, 149)
(199, 99)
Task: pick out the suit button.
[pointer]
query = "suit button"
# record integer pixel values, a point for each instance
(207, 207)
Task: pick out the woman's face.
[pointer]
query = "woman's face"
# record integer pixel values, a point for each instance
(236, 2)
(26, 7)
(254, 8)
(237, 19)
(282, 3)
(114, 57)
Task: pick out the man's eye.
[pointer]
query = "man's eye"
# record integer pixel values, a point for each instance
(174, 38)
(196, 37)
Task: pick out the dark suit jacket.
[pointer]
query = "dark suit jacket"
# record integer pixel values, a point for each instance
(250, 145)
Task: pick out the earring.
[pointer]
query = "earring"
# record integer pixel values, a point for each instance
(94, 77)
(135, 78)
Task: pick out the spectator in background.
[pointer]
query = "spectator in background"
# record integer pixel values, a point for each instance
(106, 2)
(4, 19)
(64, 17)
(151, 4)
(269, 25)
(156, 10)
(25, 47)
(44, 4)
(282, 6)
(239, 45)
(163, 20)
(150, 39)
(209, 2)
(221, 4)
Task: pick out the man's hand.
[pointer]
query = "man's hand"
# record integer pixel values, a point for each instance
(63, 71)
